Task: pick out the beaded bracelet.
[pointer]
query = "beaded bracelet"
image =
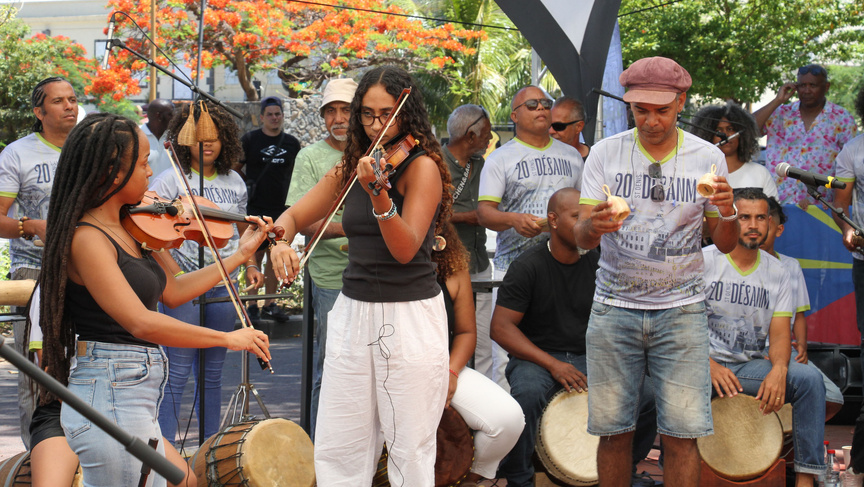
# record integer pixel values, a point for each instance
(454, 373)
(253, 266)
(281, 240)
(386, 216)
(21, 233)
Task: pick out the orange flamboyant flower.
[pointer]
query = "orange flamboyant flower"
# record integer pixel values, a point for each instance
(258, 35)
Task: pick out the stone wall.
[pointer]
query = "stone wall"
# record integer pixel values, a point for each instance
(302, 118)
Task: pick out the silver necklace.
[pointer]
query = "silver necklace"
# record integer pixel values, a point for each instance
(136, 254)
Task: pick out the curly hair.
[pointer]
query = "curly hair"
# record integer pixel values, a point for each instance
(454, 257)
(229, 135)
(707, 119)
(413, 119)
(94, 153)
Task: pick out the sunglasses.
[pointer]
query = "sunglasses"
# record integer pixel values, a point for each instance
(655, 172)
(559, 126)
(813, 69)
(484, 115)
(535, 103)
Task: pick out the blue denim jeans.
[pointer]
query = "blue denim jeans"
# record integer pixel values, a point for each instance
(806, 392)
(322, 303)
(672, 346)
(183, 361)
(858, 283)
(533, 386)
(125, 383)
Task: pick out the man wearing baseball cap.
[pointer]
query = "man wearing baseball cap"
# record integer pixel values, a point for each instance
(269, 155)
(330, 257)
(649, 304)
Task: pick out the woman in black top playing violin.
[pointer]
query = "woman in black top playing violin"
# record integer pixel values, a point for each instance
(385, 373)
(98, 282)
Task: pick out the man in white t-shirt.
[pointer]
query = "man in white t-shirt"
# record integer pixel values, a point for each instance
(26, 175)
(159, 113)
(749, 300)
(516, 183)
(649, 304)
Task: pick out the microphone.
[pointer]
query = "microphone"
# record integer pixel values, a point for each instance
(784, 170)
(108, 44)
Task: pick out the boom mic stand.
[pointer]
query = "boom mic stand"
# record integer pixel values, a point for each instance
(812, 191)
(245, 387)
(133, 445)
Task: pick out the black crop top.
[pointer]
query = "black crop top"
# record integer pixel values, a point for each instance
(145, 277)
(372, 274)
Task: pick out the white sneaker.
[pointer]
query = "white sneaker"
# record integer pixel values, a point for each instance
(852, 478)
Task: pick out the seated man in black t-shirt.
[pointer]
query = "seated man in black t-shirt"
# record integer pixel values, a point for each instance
(540, 318)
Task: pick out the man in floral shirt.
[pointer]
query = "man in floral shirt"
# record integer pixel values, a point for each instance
(806, 134)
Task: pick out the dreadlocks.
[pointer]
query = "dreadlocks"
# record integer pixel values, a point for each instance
(229, 136)
(93, 155)
(37, 98)
(412, 119)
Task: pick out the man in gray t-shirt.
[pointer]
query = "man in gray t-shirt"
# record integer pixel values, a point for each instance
(649, 309)
(26, 175)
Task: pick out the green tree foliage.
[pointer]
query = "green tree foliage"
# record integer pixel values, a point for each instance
(489, 76)
(26, 60)
(736, 49)
(846, 82)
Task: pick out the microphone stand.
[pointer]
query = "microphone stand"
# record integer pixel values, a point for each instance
(119, 43)
(812, 191)
(245, 385)
(133, 445)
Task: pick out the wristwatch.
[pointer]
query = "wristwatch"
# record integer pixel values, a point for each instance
(732, 217)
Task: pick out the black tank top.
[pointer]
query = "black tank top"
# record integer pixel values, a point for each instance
(145, 277)
(372, 274)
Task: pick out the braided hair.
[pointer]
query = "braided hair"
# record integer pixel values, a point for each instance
(229, 135)
(37, 98)
(95, 152)
(413, 119)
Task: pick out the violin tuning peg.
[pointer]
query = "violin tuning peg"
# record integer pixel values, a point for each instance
(376, 191)
(388, 167)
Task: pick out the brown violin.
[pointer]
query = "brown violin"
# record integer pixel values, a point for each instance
(395, 155)
(158, 223)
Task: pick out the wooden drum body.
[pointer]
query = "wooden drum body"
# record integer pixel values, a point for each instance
(745, 443)
(454, 453)
(15, 471)
(257, 453)
(564, 446)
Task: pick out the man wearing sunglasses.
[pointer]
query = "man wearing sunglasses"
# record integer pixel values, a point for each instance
(807, 134)
(649, 302)
(568, 120)
(516, 183)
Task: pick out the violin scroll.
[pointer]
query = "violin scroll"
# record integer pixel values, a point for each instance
(393, 157)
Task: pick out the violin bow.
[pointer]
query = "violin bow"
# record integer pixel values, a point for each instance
(245, 321)
(340, 200)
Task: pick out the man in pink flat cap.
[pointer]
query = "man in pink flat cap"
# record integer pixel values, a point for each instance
(649, 304)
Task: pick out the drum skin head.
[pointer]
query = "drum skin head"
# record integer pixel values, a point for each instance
(278, 452)
(564, 446)
(745, 443)
(256, 454)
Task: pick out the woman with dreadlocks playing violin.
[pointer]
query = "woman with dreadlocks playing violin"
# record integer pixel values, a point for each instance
(98, 282)
(385, 373)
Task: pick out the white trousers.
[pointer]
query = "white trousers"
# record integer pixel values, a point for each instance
(489, 358)
(495, 417)
(385, 379)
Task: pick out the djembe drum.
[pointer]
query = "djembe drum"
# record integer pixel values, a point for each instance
(564, 446)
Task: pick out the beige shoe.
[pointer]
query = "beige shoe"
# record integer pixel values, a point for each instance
(852, 479)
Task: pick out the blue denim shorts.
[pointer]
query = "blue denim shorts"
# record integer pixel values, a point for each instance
(671, 345)
(125, 383)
